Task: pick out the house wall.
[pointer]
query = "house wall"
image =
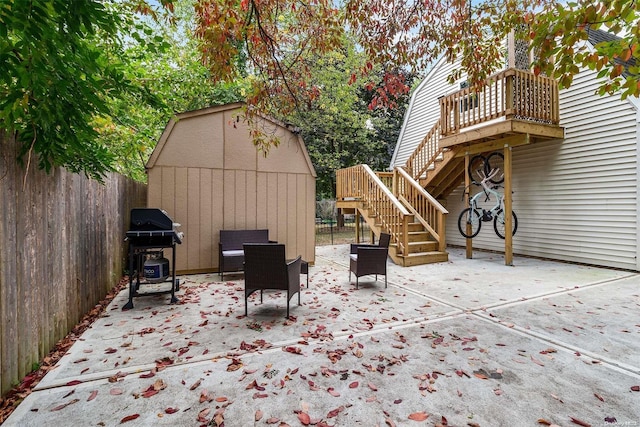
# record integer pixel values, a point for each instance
(209, 176)
(577, 198)
(423, 111)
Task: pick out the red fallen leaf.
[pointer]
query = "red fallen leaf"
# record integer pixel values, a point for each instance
(195, 385)
(129, 418)
(635, 388)
(115, 391)
(373, 387)
(204, 396)
(221, 399)
(258, 415)
(419, 416)
(294, 350)
(148, 375)
(92, 396)
(543, 421)
(536, 361)
(149, 393)
(354, 384)
(444, 421)
(273, 420)
(397, 401)
(480, 375)
(334, 412)
(600, 398)
(333, 392)
(304, 418)
(171, 410)
(110, 350)
(74, 382)
(64, 405)
(580, 422)
(202, 415)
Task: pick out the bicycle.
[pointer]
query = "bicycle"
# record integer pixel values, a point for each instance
(471, 219)
(481, 166)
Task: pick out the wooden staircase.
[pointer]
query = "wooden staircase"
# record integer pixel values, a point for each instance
(513, 107)
(414, 240)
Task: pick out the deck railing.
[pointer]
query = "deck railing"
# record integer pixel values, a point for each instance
(361, 183)
(512, 93)
(425, 153)
(426, 209)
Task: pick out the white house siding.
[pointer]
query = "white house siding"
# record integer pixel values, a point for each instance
(577, 198)
(423, 111)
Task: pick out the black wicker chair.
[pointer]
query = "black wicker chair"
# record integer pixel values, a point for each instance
(265, 267)
(366, 259)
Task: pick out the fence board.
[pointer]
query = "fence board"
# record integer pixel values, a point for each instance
(62, 250)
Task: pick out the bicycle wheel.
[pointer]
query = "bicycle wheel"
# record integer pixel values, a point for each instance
(499, 222)
(495, 160)
(469, 217)
(477, 168)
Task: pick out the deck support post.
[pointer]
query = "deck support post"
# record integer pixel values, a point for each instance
(357, 218)
(508, 217)
(467, 184)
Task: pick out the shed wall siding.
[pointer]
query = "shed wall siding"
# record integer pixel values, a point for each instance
(576, 199)
(208, 176)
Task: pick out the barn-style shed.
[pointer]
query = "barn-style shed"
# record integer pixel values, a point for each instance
(208, 175)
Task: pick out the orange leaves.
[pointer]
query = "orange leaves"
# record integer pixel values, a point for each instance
(418, 416)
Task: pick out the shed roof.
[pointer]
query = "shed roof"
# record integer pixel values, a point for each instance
(171, 125)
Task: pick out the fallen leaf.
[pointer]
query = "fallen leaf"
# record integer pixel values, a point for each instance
(353, 384)
(273, 420)
(600, 398)
(129, 418)
(418, 416)
(64, 405)
(536, 361)
(635, 388)
(171, 410)
(115, 391)
(333, 392)
(304, 418)
(258, 415)
(196, 384)
(92, 396)
(580, 422)
(373, 387)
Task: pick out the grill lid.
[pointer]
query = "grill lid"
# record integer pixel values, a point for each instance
(153, 226)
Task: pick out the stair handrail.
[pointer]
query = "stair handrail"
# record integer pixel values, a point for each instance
(426, 209)
(425, 153)
(361, 183)
(511, 93)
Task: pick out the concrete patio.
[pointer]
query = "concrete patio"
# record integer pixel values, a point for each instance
(463, 343)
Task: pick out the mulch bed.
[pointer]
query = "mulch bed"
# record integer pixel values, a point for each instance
(13, 397)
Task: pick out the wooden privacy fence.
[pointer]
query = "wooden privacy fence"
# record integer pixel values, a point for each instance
(61, 251)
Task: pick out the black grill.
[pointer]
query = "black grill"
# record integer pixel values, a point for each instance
(150, 231)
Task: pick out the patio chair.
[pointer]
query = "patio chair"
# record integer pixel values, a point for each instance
(366, 259)
(265, 267)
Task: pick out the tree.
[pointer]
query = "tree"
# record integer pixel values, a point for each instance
(337, 125)
(280, 37)
(175, 75)
(61, 62)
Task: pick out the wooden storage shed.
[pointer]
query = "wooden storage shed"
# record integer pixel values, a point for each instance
(208, 175)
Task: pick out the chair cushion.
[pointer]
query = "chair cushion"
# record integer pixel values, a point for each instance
(233, 253)
(353, 257)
